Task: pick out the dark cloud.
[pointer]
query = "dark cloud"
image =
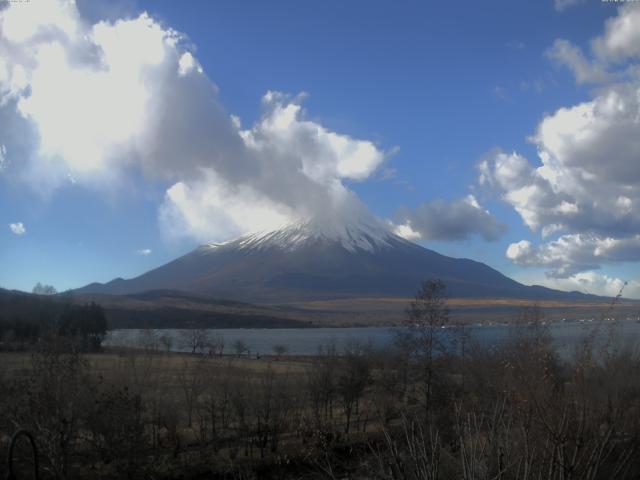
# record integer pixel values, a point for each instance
(440, 220)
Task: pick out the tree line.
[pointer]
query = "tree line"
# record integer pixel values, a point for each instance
(26, 319)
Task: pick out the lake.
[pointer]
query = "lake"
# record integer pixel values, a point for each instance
(307, 341)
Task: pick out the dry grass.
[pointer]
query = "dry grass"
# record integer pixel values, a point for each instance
(392, 310)
(114, 366)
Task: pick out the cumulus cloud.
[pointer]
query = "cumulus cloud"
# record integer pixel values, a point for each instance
(17, 228)
(213, 210)
(621, 38)
(589, 176)
(574, 253)
(440, 220)
(144, 252)
(94, 102)
(609, 52)
(591, 283)
(565, 53)
(296, 171)
(522, 186)
(100, 99)
(406, 231)
(585, 186)
(566, 256)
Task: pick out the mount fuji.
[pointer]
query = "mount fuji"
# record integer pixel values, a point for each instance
(309, 261)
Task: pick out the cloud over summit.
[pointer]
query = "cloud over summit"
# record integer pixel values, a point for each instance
(101, 100)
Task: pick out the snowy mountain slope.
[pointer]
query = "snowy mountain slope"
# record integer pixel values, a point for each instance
(363, 235)
(307, 261)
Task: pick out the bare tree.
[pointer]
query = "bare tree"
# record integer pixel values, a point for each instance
(354, 377)
(321, 384)
(58, 389)
(214, 406)
(269, 407)
(40, 289)
(389, 388)
(279, 350)
(426, 314)
(115, 422)
(195, 340)
(216, 344)
(412, 454)
(240, 347)
(192, 379)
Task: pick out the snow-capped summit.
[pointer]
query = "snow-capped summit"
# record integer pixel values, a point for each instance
(367, 235)
(320, 260)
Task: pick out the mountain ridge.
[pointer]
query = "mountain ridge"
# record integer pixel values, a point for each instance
(307, 261)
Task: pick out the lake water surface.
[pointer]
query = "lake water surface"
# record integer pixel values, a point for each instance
(307, 341)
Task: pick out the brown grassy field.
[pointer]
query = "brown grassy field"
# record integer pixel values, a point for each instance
(392, 310)
(117, 364)
(178, 393)
(365, 414)
(174, 310)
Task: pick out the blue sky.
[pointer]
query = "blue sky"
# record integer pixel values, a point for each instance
(435, 87)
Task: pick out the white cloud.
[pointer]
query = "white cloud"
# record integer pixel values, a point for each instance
(609, 53)
(23, 22)
(440, 220)
(621, 39)
(144, 252)
(3, 157)
(213, 210)
(18, 228)
(93, 103)
(187, 64)
(574, 253)
(323, 155)
(295, 171)
(405, 231)
(586, 186)
(587, 282)
(85, 91)
(561, 5)
(522, 186)
(566, 256)
(565, 53)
